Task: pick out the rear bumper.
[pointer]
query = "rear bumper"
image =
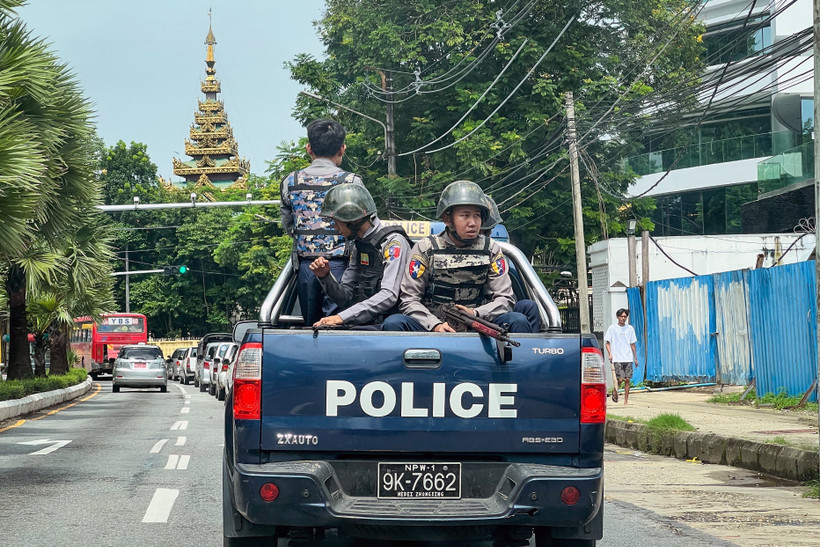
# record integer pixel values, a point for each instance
(311, 495)
(149, 378)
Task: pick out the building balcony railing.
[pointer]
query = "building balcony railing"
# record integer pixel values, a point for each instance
(791, 167)
(707, 153)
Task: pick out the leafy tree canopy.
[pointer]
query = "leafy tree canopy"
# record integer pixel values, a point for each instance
(484, 81)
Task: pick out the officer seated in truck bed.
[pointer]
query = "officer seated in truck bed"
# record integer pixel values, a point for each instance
(459, 266)
(369, 288)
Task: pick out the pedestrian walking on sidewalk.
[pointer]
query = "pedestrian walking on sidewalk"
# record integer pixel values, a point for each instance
(620, 342)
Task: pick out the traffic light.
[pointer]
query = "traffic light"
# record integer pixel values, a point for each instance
(174, 270)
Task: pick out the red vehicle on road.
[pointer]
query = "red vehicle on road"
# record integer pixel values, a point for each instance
(97, 345)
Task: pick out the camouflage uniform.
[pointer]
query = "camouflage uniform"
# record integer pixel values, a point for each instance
(371, 281)
(301, 203)
(439, 272)
(302, 194)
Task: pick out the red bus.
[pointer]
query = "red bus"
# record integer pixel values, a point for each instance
(98, 345)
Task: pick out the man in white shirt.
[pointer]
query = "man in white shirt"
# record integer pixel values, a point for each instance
(620, 345)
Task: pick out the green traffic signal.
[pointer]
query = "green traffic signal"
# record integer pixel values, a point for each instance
(174, 270)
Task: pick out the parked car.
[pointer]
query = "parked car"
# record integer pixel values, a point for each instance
(140, 365)
(216, 366)
(187, 366)
(174, 361)
(206, 352)
(203, 366)
(224, 369)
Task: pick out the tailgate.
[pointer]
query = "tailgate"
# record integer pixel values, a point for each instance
(348, 391)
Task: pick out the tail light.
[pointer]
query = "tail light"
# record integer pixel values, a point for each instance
(247, 382)
(593, 387)
(206, 365)
(224, 367)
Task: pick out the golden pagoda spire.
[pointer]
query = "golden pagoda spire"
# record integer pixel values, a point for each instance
(210, 41)
(215, 161)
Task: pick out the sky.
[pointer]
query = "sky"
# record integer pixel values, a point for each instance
(141, 63)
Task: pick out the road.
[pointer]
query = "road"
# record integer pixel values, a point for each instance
(142, 467)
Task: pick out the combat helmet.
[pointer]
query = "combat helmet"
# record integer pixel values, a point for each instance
(462, 192)
(494, 218)
(348, 203)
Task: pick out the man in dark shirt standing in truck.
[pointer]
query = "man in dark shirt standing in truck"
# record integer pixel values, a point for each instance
(313, 236)
(459, 266)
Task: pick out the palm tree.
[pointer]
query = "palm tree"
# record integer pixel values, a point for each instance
(41, 101)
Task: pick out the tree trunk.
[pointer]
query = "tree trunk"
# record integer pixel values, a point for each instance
(59, 351)
(19, 359)
(40, 347)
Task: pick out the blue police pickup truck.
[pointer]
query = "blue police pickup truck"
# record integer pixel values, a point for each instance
(416, 436)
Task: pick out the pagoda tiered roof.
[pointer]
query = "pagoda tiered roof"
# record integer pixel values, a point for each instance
(214, 153)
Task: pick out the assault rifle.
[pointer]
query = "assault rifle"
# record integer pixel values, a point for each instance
(457, 317)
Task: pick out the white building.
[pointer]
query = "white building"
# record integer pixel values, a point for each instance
(747, 167)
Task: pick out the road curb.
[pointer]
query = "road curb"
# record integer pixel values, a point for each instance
(781, 461)
(38, 401)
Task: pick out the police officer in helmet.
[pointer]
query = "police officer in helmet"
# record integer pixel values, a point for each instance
(459, 266)
(369, 287)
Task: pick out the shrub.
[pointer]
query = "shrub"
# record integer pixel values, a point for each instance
(16, 389)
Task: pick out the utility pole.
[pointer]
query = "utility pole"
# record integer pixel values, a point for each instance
(390, 145)
(577, 215)
(644, 281)
(127, 284)
(644, 258)
(816, 185)
(632, 251)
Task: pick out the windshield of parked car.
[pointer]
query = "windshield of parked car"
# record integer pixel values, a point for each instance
(141, 353)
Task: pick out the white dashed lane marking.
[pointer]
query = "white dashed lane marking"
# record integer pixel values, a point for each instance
(157, 447)
(180, 425)
(181, 441)
(175, 461)
(161, 504)
(185, 410)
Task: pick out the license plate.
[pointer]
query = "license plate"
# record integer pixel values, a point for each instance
(415, 480)
(139, 365)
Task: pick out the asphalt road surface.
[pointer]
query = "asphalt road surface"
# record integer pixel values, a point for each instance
(143, 468)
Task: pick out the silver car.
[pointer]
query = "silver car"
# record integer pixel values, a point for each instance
(222, 382)
(216, 366)
(140, 365)
(187, 366)
(203, 366)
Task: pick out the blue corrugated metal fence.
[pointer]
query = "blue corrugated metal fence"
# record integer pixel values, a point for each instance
(730, 327)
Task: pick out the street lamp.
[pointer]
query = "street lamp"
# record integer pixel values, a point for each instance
(630, 226)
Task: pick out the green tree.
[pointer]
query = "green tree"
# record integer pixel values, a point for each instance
(445, 60)
(41, 97)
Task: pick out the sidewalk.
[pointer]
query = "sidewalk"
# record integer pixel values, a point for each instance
(742, 436)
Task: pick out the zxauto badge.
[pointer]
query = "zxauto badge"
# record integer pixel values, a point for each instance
(292, 438)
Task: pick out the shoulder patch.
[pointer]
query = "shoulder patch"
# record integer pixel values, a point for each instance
(393, 250)
(417, 266)
(499, 265)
